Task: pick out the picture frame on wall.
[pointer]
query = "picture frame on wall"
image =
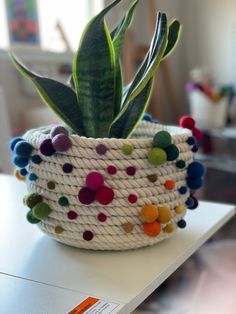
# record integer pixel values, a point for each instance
(23, 24)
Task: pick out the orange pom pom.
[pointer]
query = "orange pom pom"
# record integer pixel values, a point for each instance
(169, 228)
(152, 229)
(149, 213)
(170, 184)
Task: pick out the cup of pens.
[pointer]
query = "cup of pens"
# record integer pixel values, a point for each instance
(209, 106)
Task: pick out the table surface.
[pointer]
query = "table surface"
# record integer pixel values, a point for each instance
(57, 272)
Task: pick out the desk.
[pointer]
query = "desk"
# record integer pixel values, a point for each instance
(39, 275)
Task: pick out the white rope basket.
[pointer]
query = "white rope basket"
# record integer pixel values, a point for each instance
(109, 234)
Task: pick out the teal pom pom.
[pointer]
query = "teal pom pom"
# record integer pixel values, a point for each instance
(31, 219)
(172, 152)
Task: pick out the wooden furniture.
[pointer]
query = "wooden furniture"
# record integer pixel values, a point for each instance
(39, 275)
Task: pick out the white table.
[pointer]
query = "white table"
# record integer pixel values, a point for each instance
(39, 275)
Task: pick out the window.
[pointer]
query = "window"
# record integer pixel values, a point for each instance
(70, 16)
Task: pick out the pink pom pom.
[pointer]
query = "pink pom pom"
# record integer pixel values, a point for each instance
(94, 181)
(197, 133)
(187, 122)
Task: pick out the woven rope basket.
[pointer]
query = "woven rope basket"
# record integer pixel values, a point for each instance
(121, 227)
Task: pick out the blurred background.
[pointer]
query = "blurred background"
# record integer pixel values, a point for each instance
(198, 79)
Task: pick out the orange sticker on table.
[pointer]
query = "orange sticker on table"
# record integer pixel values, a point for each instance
(84, 306)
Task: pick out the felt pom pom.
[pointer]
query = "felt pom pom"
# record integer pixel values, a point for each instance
(102, 217)
(149, 213)
(23, 172)
(194, 184)
(36, 159)
(180, 164)
(128, 227)
(127, 149)
(187, 122)
(86, 196)
(31, 219)
(20, 162)
(19, 176)
(183, 190)
(61, 143)
(189, 202)
(72, 215)
(196, 170)
(157, 156)
(165, 215)
(179, 209)
(169, 185)
(67, 168)
(147, 117)
(23, 149)
(195, 149)
(32, 199)
(182, 224)
(13, 142)
(105, 195)
(194, 204)
(197, 134)
(162, 139)
(58, 130)
(41, 211)
(169, 228)
(46, 148)
(191, 141)
(63, 201)
(94, 181)
(88, 235)
(32, 177)
(152, 229)
(172, 152)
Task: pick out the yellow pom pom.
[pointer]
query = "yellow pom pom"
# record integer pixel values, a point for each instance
(169, 228)
(179, 209)
(164, 215)
(149, 213)
(18, 176)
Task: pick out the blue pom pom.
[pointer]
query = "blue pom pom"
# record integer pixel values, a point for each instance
(23, 172)
(23, 149)
(20, 162)
(183, 190)
(36, 159)
(32, 177)
(182, 224)
(195, 149)
(194, 183)
(189, 202)
(13, 142)
(191, 141)
(147, 117)
(195, 203)
(196, 170)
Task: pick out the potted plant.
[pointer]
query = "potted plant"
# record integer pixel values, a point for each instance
(105, 179)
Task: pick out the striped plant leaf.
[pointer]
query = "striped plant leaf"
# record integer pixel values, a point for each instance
(117, 37)
(129, 117)
(95, 77)
(57, 96)
(152, 59)
(175, 30)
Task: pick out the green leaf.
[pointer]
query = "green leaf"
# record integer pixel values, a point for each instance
(57, 96)
(118, 36)
(127, 120)
(95, 76)
(175, 30)
(152, 59)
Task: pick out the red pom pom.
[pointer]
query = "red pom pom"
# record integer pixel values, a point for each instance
(197, 133)
(187, 122)
(94, 181)
(105, 195)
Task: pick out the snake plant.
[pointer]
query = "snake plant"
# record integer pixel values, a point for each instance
(95, 103)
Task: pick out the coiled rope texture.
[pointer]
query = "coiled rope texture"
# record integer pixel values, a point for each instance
(109, 235)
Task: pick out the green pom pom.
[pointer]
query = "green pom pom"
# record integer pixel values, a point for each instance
(127, 149)
(31, 219)
(63, 201)
(41, 211)
(157, 156)
(162, 139)
(172, 152)
(32, 199)
(180, 164)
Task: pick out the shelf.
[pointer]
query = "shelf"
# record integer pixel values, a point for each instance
(125, 278)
